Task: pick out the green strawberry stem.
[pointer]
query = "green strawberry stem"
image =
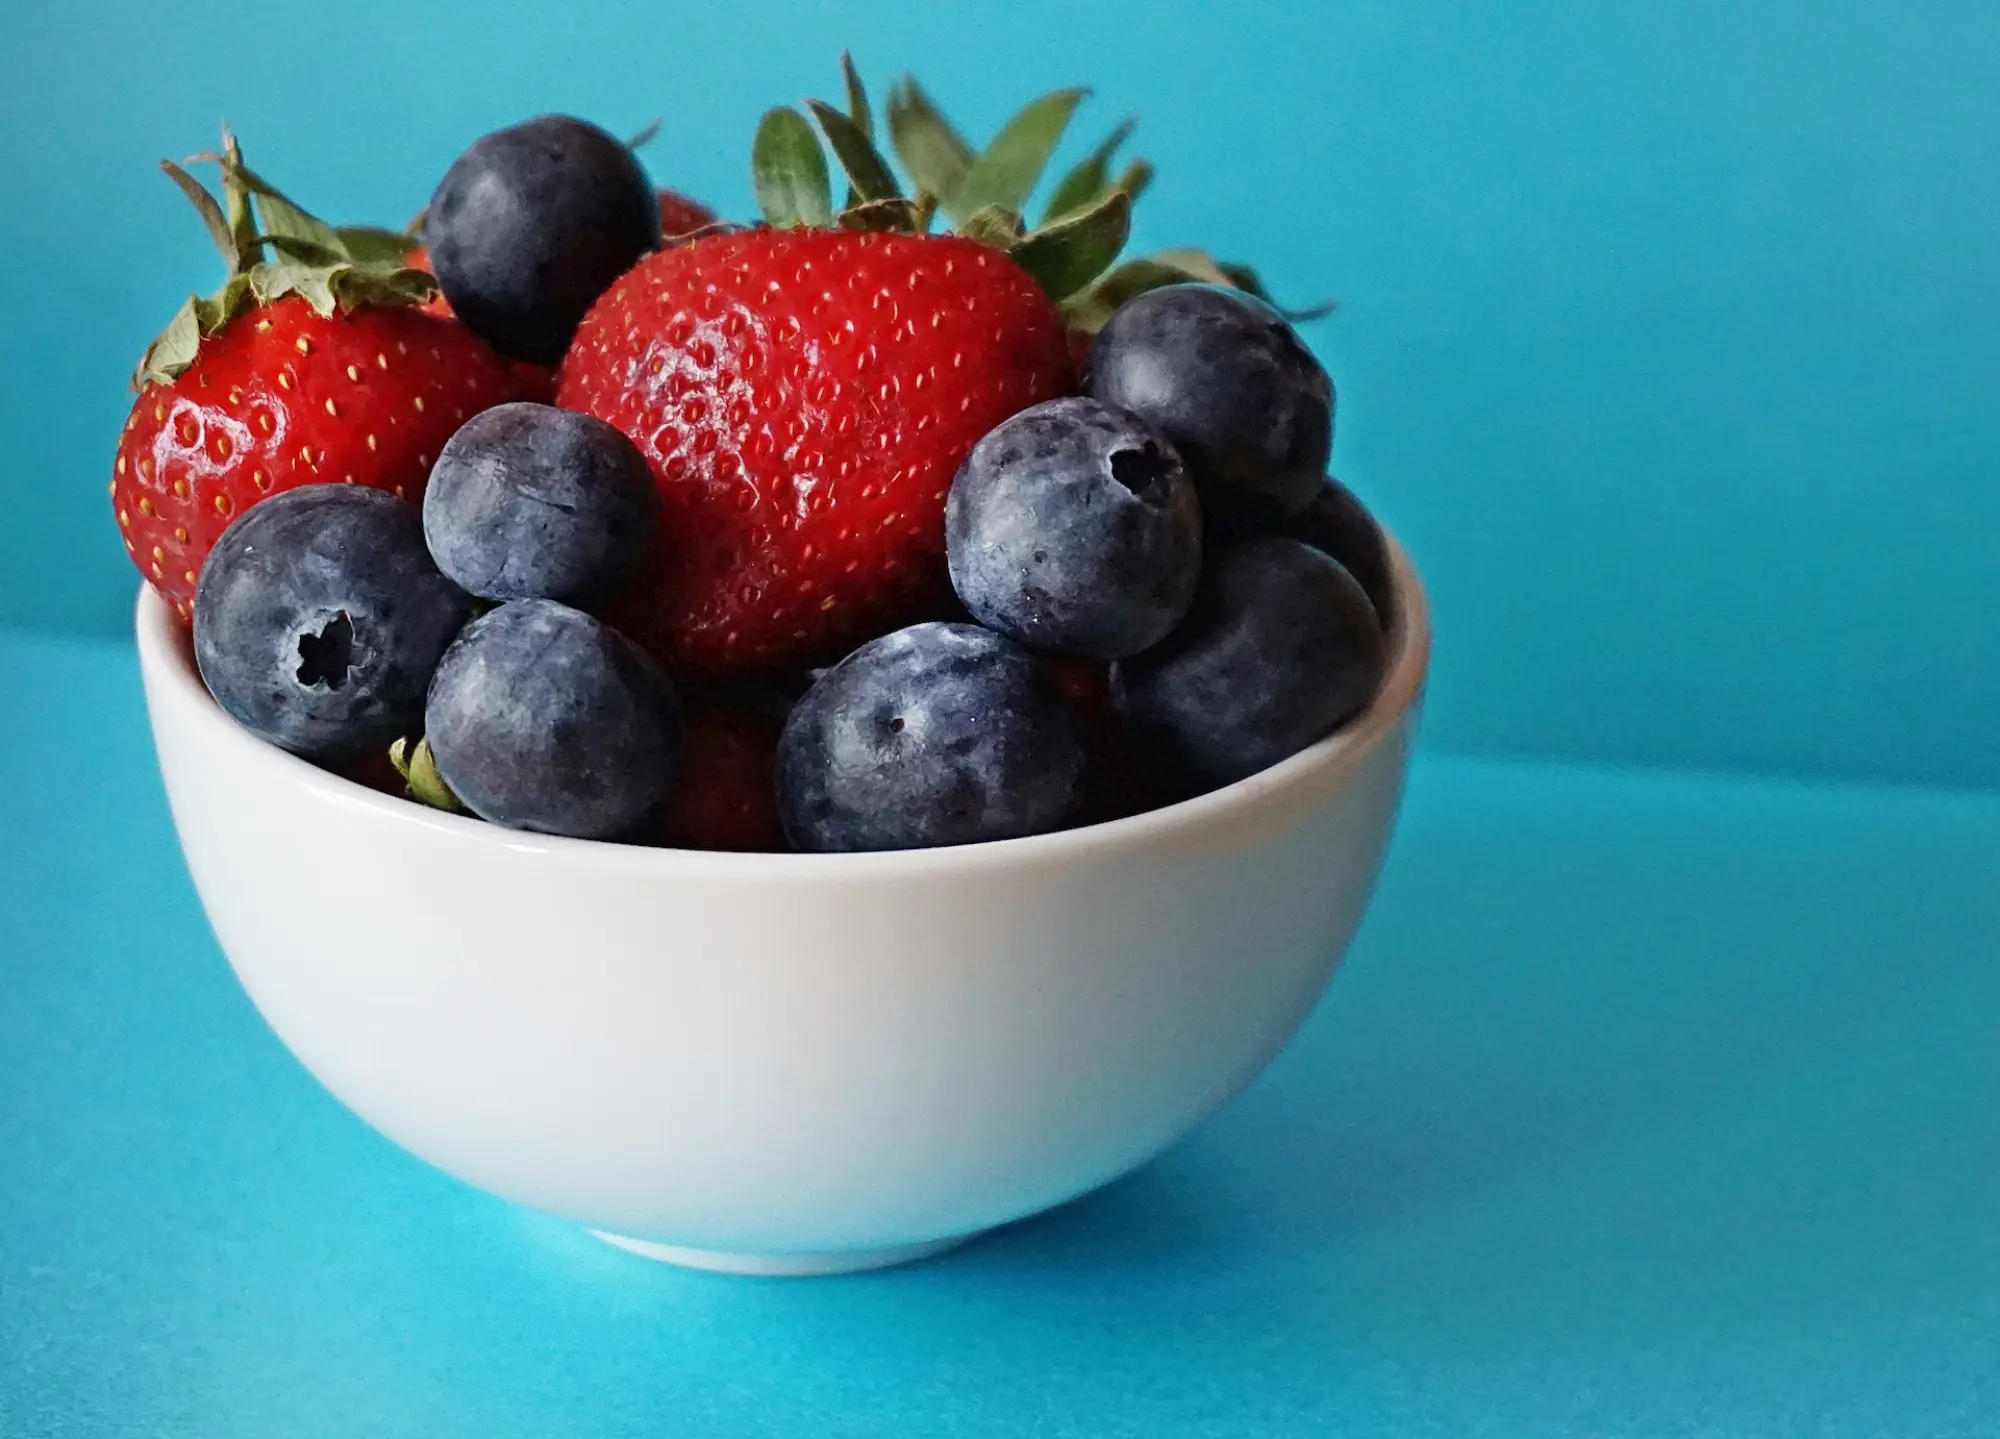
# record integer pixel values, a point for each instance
(271, 248)
(419, 770)
(1073, 254)
(1083, 186)
(1006, 172)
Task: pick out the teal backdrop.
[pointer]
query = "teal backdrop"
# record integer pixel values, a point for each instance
(1667, 337)
(1648, 1104)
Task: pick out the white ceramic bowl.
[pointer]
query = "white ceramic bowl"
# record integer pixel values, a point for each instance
(781, 1063)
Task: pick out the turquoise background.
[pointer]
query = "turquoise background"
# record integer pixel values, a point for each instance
(1668, 339)
(1649, 1102)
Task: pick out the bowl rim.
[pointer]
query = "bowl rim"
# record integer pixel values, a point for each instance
(167, 661)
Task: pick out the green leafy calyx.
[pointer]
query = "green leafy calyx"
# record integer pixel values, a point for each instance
(272, 248)
(419, 770)
(1073, 253)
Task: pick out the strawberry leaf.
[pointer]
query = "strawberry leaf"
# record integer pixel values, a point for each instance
(1085, 185)
(1135, 277)
(1200, 265)
(895, 214)
(865, 169)
(1193, 264)
(1088, 309)
(788, 171)
(371, 245)
(235, 197)
(1244, 278)
(1138, 175)
(310, 283)
(211, 214)
(1066, 256)
(304, 252)
(1005, 174)
(174, 350)
(857, 98)
(933, 153)
(419, 770)
(326, 267)
(282, 219)
(995, 225)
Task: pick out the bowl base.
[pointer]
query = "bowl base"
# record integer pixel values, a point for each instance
(782, 1266)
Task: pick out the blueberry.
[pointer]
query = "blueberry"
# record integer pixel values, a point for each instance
(1227, 380)
(543, 718)
(1280, 649)
(530, 502)
(1336, 523)
(319, 618)
(938, 734)
(1074, 527)
(531, 225)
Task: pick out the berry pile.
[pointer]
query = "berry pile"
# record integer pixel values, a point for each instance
(839, 534)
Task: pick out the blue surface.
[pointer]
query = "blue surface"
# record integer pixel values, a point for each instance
(1662, 337)
(1646, 1105)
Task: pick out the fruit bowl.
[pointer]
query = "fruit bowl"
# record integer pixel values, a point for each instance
(600, 519)
(781, 1063)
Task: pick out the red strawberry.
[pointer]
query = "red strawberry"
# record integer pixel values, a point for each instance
(419, 258)
(805, 397)
(1112, 789)
(258, 391)
(727, 798)
(1079, 342)
(1086, 682)
(681, 216)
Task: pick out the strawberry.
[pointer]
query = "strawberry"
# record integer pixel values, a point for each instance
(1112, 788)
(418, 258)
(1086, 682)
(314, 367)
(727, 798)
(804, 397)
(806, 391)
(681, 216)
(1079, 341)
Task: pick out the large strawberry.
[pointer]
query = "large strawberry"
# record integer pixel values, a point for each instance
(727, 799)
(681, 216)
(805, 397)
(806, 391)
(312, 366)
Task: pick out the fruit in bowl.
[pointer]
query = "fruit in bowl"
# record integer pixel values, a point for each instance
(1080, 692)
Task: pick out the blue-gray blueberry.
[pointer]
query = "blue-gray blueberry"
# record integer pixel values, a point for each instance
(531, 224)
(1336, 523)
(1229, 383)
(1074, 527)
(543, 718)
(527, 501)
(939, 734)
(1279, 650)
(319, 617)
